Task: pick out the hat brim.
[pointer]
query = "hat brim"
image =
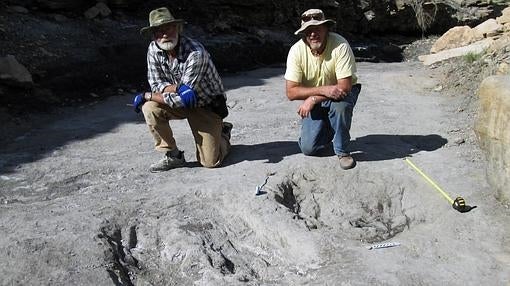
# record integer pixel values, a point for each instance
(145, 31)
(313, 23)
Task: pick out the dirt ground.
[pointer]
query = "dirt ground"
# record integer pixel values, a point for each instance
(78, 206)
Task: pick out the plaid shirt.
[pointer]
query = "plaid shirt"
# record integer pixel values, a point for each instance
(192, 66)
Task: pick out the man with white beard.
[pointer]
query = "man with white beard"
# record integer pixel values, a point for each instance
(184, 85)
(321, 71)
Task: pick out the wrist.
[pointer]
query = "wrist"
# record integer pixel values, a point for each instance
(314, 99)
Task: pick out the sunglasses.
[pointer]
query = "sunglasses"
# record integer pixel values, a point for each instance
(306, 18)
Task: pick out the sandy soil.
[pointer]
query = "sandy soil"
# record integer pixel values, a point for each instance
(80, 208)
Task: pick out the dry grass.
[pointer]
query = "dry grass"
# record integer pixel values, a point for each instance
(425, 13)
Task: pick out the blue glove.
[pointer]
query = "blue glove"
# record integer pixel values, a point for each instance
(138, 101)
(188, 96)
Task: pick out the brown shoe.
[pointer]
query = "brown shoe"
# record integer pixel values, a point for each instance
(346, 161)
(227, 129)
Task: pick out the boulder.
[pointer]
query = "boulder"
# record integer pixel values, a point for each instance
(475, 48)
(493, 134)
(18, 9)
(455, 37)
(503, 69)
(100, 9)
(488, 28)
(505, 16)
(506, 27)
(500, 44)
(14, 73)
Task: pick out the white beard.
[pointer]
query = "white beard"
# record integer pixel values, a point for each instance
(167, 44)
(315, 46)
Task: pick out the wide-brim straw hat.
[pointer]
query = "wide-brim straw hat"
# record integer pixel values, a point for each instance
(159, 17)
(313, 17)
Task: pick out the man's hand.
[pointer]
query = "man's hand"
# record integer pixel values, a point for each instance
(306, 107)
(333, 92)
(138, 101)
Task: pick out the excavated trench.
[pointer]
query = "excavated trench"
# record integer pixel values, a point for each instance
(204, 247)
(369, 210)
(163, 250)
(187, 244)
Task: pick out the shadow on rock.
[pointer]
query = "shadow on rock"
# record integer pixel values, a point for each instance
(272, 152)
(53, 134)
(379, 147)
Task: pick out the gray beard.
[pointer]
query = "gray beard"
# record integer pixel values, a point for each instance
(315, 47)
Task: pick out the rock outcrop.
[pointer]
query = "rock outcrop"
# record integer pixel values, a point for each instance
(455, 37)
(487, 48)
(82, 46)
(493, 132)
(463, 40)
(474, 48)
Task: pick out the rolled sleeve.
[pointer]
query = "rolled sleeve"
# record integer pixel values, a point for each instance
(345, 63)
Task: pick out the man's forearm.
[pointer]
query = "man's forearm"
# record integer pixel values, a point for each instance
(158, 96)
(302, 93)
(170, 88)
(171, 99)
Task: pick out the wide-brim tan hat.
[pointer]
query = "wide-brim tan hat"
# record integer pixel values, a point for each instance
(313, 17)
(159, 17)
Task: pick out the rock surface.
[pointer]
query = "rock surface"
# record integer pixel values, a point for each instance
(454, 38)
(78, 206)
(492, 130)
(475, 48)
(478, 60)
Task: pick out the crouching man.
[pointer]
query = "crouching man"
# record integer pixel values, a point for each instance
(184, 85)
(321, 73)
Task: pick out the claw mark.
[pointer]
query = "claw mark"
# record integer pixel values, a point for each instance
(122, 262)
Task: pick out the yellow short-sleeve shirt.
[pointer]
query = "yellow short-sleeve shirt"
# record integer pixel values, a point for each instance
(336, 62)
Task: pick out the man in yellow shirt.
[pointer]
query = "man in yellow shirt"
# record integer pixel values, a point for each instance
(321, 71)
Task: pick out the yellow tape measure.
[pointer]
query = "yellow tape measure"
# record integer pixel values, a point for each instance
(459, 203)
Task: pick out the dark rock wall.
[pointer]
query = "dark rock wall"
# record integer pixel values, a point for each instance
(387, 15)
(68, 52)
(352, 16)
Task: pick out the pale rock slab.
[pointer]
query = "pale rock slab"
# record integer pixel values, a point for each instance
(493, 133)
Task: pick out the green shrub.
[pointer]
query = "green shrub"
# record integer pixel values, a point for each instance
(472, 57)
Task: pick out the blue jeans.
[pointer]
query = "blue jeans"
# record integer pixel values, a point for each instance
(329, 122)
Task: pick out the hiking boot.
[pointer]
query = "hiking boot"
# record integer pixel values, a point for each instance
(346, 161)
(226, 129)
(168, 162)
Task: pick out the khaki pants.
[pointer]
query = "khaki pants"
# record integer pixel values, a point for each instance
(212, 146)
